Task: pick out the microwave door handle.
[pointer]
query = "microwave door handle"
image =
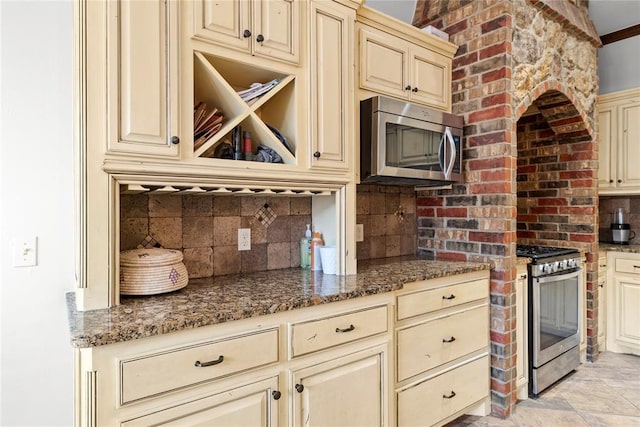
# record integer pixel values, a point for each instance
(441, 153)
(452, 152)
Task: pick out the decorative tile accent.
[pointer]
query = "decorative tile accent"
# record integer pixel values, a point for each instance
(148, 242)
(400, 214)
(266, 215)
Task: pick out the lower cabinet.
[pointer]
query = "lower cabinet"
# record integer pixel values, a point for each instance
(602, 301)
(330, 364)
(623, 303)
(522, 338)
(348, 391)
(250, 405)
(442, 350)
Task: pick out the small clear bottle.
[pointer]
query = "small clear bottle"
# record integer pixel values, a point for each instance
(305, 249)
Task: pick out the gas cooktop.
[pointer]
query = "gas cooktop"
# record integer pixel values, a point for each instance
(538, 252)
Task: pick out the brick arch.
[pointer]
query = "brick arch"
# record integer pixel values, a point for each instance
(570, 114)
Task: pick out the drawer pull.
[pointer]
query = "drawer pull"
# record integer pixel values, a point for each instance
(452, 296)
(299, 388)
(200, 364)
(453, 394)
(276, 395)
(452, 339)
(636, 266)
(349, 329)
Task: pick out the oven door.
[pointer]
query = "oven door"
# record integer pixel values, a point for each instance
(555, 317)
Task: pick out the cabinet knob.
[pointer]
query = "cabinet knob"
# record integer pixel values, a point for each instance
(260, 38)
(449, 396)
(619, 181)
(246, 33)
(602, 286)
(610, 181)
(407, 87)
(276, 394)
(299, 388)
(175, 140)
(414, 90)
(452, 339)
(316, 154)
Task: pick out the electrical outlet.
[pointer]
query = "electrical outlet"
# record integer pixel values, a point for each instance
(359, 232)
(244, 239)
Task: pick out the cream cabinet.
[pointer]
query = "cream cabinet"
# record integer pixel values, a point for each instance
(249, 405)
(522, 334)
(623, 303)
(322, 365)
(266, 28)
(619, 132)
(442, 349)
(403, 67)
(347, 391)
(332, 80)
(143, 100)
(602, 301)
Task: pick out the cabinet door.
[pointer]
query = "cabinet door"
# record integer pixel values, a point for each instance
(250, 405)
(606, 125)
(430, 78)
(384, 63)
(522, 362)
(629, 146)
(347, 391)
(276, 29)
(331, 84)
(602, 299)
(223, 22)
(143, 77)
(626, 315)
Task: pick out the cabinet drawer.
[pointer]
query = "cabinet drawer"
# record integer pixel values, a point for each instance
(307, 337)
(160, 372)
(429, 344)
(430, 401)
(426, 301)
(626, 265)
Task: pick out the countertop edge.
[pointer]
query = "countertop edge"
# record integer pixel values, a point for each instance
(119, 324)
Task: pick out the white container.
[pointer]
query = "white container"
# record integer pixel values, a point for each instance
(436, 32)
(328, 258)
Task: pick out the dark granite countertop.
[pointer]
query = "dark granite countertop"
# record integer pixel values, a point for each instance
(221, 299)
(632, 248)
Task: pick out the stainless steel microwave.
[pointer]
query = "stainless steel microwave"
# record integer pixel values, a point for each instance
(407, 144)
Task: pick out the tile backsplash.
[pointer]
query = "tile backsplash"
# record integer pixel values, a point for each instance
(205, 229)
(388, 216)
(631, 207)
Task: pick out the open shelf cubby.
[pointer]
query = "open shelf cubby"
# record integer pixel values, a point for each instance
(217, 82)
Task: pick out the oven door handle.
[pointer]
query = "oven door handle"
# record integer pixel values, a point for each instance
(554, 278)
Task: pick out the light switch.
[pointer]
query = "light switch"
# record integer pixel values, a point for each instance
(25, 251)
(359, 232)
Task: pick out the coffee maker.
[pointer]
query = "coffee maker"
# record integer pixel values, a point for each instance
(620, 229)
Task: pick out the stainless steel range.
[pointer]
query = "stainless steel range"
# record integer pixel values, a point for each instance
(555, 278)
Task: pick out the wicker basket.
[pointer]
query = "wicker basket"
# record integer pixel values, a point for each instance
(151, 271)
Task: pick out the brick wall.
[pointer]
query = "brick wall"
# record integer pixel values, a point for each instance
(516, 58)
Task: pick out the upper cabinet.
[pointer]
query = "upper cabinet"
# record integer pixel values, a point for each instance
(266, 28)
(331, 76)
(143, 99)
(619, 133)
(410, 65)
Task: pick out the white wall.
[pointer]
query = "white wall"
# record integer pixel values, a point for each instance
(400, 9)
(36, 199)
(619, 65)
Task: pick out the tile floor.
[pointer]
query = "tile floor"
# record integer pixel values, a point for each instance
(604, 393)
